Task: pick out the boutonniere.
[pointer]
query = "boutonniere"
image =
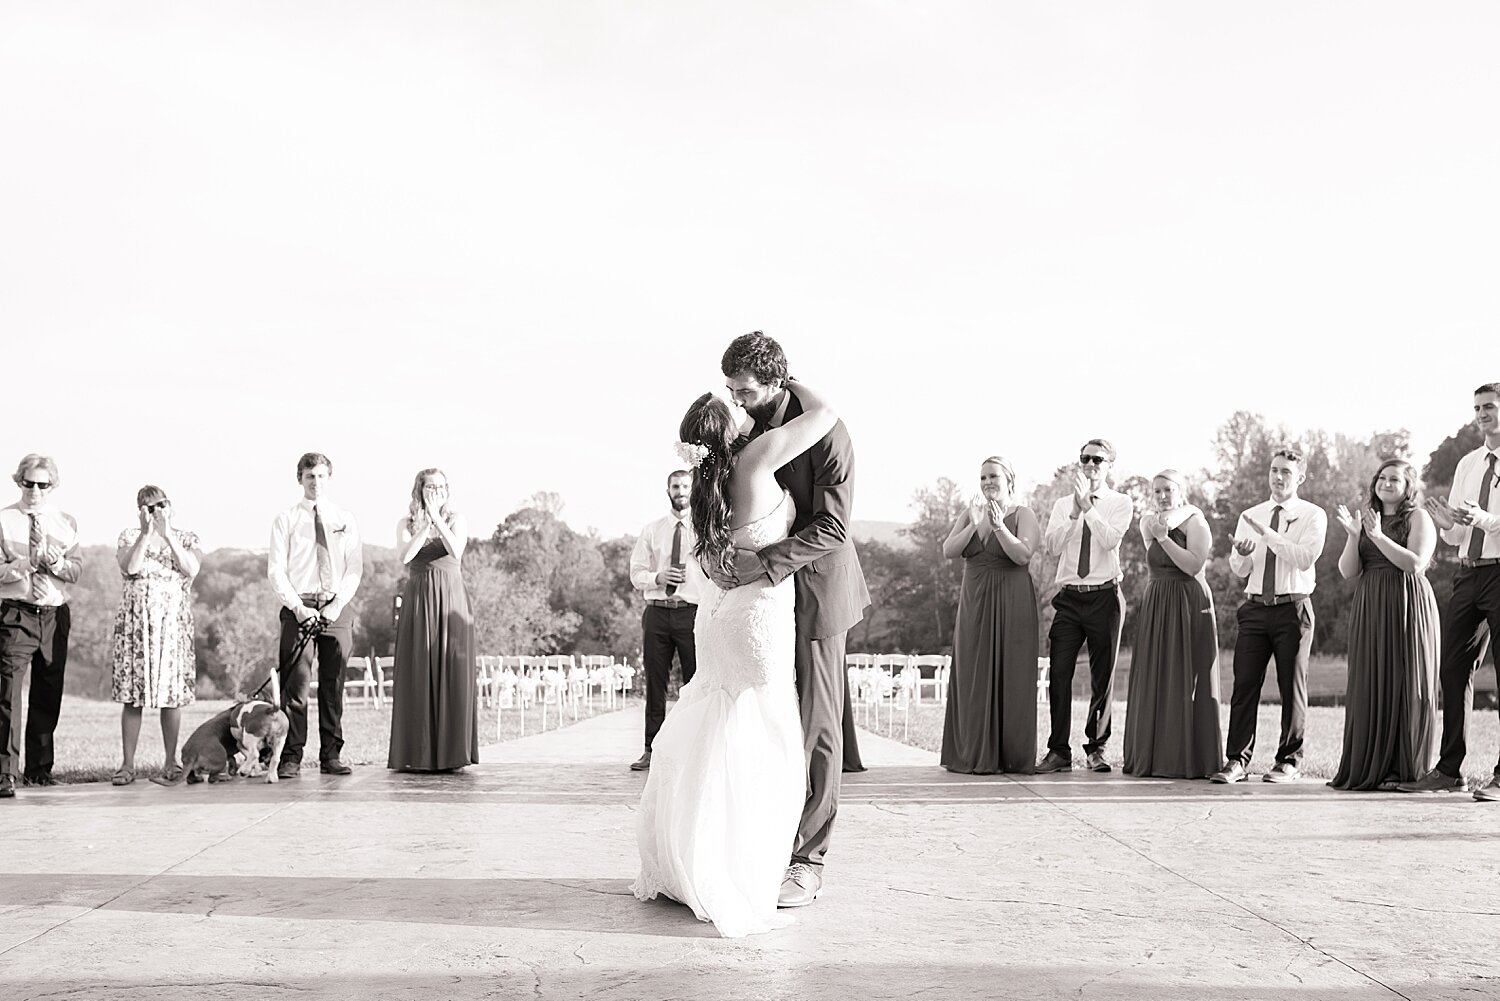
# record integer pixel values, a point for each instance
(338, 529)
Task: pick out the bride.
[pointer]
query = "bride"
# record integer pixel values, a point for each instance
(728, 778)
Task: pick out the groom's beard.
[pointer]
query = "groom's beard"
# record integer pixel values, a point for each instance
(680, 503)
(761, 413)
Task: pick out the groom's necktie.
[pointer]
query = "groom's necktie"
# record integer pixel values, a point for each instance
(38, 542)
(1268, 576)
(1476, 537)
(676, 554)
(325, 560)
(1085, 554)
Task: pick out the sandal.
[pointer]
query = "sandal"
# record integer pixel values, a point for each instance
(123, 777)
(172, 774)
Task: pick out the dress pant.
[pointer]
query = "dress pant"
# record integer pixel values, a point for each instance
(34, 637)
(331, 647)
(665, 631)
(1473, 615)
(821, 683)
(1285, 632)
(1095, 618)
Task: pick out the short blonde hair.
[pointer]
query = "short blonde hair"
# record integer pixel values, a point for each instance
(32, 461)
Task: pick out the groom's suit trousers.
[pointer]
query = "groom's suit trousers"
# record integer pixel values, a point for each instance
(821, 680)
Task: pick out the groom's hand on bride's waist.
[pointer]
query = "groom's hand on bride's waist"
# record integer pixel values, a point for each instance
(746, 569)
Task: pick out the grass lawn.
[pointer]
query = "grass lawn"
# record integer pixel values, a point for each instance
(88, 734)
(1324, 742)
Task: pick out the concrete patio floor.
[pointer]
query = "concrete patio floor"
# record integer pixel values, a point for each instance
(512, 880)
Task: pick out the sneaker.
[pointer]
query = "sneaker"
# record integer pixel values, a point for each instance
(1282, 771)
(1490, 792)
(1097, 762)
(1054, 762)
(1232, 772)
(1435, 781)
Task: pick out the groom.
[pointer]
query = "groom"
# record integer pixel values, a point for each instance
(831, 594)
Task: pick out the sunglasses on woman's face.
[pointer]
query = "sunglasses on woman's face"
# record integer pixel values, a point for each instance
(159, 505)
(37, 484)
(1097, 460)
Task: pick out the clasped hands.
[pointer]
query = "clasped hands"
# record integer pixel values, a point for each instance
(745, 568)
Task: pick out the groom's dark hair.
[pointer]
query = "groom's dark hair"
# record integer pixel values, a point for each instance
(757, 354)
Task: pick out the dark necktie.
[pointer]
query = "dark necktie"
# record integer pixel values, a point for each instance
(676, 554)
(325, 561)
(1084, 556)
(38, 549)
(1268, 577)
(1476, 538)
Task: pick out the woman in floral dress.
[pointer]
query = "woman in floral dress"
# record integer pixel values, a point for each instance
(153, 665)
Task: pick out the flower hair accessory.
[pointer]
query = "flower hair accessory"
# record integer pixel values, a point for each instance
(692, 453)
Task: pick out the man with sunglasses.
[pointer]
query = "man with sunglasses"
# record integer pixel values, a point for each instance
(1275, 546)
(39, 549)
(1084, 531)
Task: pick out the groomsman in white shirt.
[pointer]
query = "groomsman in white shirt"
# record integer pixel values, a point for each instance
(38, 555)
(1470, 520)
(1275, 546)
(662, 568)
(315, 564)
(1084, 530)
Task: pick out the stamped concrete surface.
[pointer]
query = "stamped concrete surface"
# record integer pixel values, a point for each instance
(512, 880)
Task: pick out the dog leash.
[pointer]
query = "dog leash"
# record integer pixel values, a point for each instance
(305, 632)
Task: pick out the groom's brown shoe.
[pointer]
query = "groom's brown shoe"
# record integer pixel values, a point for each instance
(641, 764)
(800, 886)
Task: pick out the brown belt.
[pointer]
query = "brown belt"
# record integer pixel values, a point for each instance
(1089, 587)
(668, 602)
(1488, 561)
(1275, 599)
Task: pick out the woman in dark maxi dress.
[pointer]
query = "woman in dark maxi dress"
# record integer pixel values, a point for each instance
(990, 724)
(1390, 712)
(434, 725)
(1172, 723)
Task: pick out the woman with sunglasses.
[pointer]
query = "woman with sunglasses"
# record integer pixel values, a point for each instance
(153, 663)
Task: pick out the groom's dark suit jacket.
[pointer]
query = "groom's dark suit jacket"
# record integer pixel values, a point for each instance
(831, 592)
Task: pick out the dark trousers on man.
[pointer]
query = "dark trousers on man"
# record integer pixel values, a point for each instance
(1473, 616)
(666, 628)
(821, 683)
(1285, 632)
(32, 637)
(1093, 617)
(331, 648)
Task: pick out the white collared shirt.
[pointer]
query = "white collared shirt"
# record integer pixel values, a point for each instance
(1297, 544)
(653, 553)
(292, 562)
(1108, 521)
(1467, 479)
(15, 549)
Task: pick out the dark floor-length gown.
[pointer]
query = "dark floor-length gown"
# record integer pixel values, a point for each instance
(434, 721)
(1172, 725)
(991, 717)
(1390, 711)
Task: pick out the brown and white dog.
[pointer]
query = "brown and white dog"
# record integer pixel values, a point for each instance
(245, 728)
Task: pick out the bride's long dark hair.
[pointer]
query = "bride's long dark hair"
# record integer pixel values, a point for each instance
(710, 423)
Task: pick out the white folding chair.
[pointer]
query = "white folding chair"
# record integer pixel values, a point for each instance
(1043, 679)
(360, 679)
(928, 665)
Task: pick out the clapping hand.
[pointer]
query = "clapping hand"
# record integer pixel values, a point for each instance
(1081, 488)
(996, 512)
(1371, 522)
(1349, 520)
(1442, 515)
(1244, 546)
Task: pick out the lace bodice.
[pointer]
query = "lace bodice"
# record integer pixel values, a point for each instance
(772, 528)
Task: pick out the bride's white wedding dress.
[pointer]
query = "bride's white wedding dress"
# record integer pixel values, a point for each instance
(728, 780)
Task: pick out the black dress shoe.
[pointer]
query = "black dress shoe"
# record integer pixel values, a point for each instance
(641, 764)
(289, 770)
(7, 786)
(333, 766)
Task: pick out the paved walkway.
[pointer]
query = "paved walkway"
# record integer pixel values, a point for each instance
(512, 881)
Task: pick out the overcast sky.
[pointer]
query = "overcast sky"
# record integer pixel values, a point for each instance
(513, 239)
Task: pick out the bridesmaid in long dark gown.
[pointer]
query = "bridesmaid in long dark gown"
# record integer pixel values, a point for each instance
(1172, 725)
(434, 724)
(1390, 702)
(990, 724)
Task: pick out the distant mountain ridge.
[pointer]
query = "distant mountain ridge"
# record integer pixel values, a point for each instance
(888, 532)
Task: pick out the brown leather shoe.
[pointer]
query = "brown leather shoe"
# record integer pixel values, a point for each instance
(289, 770)
(333, 766)
(1282, 771)
(800, 886)
(1435, 781)
(642, 763)
(1489, 792)
(1097, 762)
(1054, 762)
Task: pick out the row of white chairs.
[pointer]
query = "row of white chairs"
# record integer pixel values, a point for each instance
(915, 668)
(563, 682)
